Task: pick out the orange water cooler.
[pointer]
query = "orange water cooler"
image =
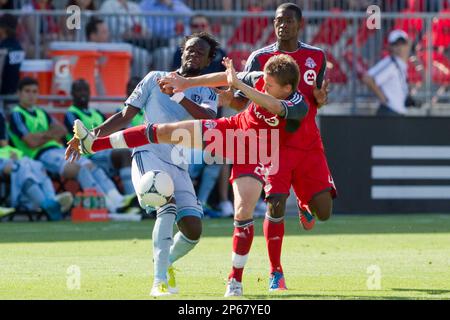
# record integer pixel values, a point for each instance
(114, 68)
(41, 70)
(72, 61)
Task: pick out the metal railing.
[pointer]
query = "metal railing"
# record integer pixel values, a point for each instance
(350, 46)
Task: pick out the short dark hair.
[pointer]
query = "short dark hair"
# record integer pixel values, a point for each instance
(293, 7)
(27, 81)
(212, 42)
(79, 83)
(91, 26)
(9, 23)
(284, 68)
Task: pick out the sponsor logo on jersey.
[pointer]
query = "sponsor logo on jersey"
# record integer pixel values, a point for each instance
(310, 63)
(196, 98)
(272, 121)
(136, 95)
(309, 77)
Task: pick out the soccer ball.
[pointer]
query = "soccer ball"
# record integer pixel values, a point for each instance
(155, 189)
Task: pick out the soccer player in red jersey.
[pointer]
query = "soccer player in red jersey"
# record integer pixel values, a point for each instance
(303, 164)
(276, 106)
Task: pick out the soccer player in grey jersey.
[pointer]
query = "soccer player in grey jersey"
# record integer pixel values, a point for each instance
(165, 107)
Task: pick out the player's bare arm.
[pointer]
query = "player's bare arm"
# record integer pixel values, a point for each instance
(218, 79)
(228, 99)
(195, 110)
(180, 83)
(117, 121)
(321, 94)
(34, 140)
(114, 123)
(264, 100)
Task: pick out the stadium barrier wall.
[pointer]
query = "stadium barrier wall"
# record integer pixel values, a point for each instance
(389, 164)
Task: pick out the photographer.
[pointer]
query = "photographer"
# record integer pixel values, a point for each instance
(388, 78)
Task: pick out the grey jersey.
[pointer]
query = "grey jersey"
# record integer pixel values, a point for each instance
(158, 108)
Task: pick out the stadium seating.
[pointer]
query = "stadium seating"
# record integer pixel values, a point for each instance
(239, 58)
(330, 30)
(334, 70)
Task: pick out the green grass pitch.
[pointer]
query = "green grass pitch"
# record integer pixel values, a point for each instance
(336, 260)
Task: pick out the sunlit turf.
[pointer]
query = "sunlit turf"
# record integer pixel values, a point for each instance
(336, 260)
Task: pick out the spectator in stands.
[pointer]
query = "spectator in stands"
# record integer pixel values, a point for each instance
(4, 211)
(129, 26)
(49, 27)
(222, 5)
(83, 4)
(29, 186)
(74, 34)
(6, 5)
(199, 23)
(97, 31)
(11, 55)
(38, 136)
(113, 162)
(388, 78)
(166, 27)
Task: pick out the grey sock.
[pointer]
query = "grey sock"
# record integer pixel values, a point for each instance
(162, 240)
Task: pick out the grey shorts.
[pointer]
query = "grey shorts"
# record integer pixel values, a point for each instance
(185, 197)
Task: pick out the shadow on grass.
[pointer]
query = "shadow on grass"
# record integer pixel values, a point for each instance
(428, 291)
(339, 224)
(325, 297)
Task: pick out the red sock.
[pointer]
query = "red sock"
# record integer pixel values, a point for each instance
(274, 232)
(128, 138)
(242, 241)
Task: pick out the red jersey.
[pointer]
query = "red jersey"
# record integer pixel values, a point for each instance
(257, 118)
(312, 64)
(254, 129)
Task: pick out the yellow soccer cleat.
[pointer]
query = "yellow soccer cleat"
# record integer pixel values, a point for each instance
(160, 289)
(171, 280)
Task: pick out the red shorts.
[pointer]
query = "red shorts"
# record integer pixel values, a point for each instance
(244, 155)
(306, 171)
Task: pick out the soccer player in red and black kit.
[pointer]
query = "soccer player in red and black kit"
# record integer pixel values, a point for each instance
(276, 106)
(303, 164)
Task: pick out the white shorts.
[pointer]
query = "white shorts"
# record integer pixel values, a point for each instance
(185, 197)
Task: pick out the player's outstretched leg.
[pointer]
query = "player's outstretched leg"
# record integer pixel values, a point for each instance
(274, 232)
(162, 241)
(84, 135)
(246, 194)
(186, 133)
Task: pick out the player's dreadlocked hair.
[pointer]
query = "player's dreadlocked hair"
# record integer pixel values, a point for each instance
(213, 43)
